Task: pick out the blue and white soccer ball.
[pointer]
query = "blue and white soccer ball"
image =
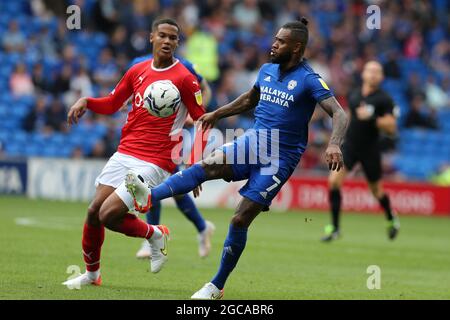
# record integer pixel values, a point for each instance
(162, 98)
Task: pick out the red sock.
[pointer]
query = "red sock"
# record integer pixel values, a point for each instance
(92, 246)
(132, 226)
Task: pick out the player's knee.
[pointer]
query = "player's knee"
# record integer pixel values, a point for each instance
(376, 190)
(106, 216)
(178, 197)
(334, 184)
(212, 171)
(93, 214)
(240, 221)
(215, 166)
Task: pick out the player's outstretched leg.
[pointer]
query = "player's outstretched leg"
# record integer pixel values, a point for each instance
(213, 167)
(180, 183)
(233, 247)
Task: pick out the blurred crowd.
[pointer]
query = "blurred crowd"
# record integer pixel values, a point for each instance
(228, 41)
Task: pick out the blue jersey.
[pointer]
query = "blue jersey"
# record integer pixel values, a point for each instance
(186, 63)
(286, 103)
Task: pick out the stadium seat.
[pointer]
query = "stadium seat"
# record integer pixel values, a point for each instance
(4, 136)
(39, 139)
(57, 139)
(20, 137)
(3, 111)
(75, 139)
(99, 130)
(52, 150)
(19, 112)
(13, 149)
(65, 151)
(32, 150)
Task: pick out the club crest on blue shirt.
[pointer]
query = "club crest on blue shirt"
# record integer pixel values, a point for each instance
(292, 84)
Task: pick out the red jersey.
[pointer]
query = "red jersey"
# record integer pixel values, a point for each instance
(145, 136)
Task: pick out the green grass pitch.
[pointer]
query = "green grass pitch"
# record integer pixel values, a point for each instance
(283, 258)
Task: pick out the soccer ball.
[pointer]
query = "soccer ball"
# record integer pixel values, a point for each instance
(162, 98)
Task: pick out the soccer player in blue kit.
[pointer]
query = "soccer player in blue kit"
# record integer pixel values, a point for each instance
(284, 97)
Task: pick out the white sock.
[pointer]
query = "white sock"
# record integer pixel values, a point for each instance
(93, 275)
(156, 233)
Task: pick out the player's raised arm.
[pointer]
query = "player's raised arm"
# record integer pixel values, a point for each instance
(206, 92)
(244, 102)
(322, 94)
(191, 96)
(105, 105)
(333, 153)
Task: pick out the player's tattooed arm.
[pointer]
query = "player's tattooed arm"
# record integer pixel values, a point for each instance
(333, 153)
(335, 111)
(244, 102)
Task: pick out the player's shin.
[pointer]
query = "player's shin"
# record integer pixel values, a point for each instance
(92, 242)
(133, 226)
(153, 216)
(385, 203)
(232, 249)
(335, 202)
(180, 183)
(156, 235)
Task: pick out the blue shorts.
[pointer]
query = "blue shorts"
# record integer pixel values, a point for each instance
(266, 175)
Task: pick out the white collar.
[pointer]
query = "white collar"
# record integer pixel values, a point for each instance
(166, 68)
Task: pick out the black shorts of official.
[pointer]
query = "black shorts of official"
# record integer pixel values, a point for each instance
(369, 157)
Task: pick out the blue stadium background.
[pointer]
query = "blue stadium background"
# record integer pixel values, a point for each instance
(45, 67)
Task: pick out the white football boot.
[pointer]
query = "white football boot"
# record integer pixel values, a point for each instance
(139, 191)
(158, 244)
(145, 252)
(208, 292)
(82, 280)
(204, 239)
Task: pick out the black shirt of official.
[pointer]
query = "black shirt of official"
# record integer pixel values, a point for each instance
(363, 134)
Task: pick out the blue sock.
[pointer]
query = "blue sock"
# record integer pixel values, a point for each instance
(187, 206)
(232, 249)
(180, 183)
(153, 216)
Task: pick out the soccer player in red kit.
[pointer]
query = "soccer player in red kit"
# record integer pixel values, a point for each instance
(145, 146)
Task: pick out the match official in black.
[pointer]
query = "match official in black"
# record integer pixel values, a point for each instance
(372, 111)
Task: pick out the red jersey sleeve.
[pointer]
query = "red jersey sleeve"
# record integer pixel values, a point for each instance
(191, 95)
(116, 99)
